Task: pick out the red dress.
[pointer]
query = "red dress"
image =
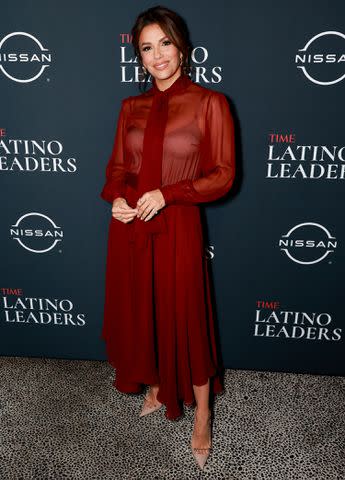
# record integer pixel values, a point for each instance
(158, 317)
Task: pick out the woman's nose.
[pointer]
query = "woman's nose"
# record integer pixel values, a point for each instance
(157, 54)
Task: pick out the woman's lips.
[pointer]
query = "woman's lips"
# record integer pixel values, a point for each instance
(161, 66)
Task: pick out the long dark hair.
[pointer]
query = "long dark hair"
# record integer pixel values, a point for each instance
(173, 26)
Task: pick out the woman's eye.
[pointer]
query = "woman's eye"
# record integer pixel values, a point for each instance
(166, 42)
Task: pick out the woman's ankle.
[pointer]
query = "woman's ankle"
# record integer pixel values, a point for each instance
(202, 412)
(154, 390)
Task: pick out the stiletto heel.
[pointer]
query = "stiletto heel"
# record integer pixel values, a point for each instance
(149, 406)
(201, 454)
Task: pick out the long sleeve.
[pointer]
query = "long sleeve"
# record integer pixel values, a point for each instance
(217, 162)
(115, 171)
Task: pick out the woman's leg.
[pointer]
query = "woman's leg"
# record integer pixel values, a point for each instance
(201, 434)
(152, 393)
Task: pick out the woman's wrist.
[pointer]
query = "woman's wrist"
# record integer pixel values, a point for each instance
(167, 194)
(119, 198)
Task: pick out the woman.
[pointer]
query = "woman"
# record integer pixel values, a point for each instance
(173, 150)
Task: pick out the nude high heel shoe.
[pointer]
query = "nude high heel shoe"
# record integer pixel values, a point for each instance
(201, 454)
(149, 406)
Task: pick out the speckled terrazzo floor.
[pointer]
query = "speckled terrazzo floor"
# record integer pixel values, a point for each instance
(62, 419)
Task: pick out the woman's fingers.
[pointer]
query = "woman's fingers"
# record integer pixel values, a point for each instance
(123, 212)
(126, 208)
(124, 218)
(127, 220)
(147, 210)
(124, 215)
(151, 214)
(142, 206)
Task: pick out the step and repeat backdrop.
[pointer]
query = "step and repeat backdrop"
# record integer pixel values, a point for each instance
(275, 245)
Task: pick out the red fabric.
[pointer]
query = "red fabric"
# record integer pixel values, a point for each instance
(158, 315)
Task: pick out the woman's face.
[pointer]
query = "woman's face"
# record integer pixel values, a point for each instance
(159, 56)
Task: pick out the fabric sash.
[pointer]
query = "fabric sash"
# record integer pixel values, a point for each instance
(150, 175)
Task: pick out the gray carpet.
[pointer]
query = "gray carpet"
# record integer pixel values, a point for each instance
(63, 419)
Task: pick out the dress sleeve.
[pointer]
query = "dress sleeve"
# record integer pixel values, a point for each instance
(217, 162)
(115, 171)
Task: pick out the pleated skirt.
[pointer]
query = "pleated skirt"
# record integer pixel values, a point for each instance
(158, 315)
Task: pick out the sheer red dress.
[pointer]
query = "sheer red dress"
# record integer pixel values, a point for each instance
(158, 317)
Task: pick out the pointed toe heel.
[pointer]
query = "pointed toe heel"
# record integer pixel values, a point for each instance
(149, 407)
(201, 454)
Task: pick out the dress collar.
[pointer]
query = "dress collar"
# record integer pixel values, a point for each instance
(179, 85)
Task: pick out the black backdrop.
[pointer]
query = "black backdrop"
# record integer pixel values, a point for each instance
(275, 245)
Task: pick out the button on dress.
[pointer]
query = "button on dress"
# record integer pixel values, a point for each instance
(158, 315)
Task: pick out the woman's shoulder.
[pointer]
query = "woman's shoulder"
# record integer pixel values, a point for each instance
(206, 91)
(213, 103)
(127, 100)
(132, 100)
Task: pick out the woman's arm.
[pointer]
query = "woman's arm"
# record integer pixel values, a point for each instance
(115, 171)
(218, 161)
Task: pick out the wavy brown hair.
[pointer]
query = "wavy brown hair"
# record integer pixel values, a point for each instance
(173, 26)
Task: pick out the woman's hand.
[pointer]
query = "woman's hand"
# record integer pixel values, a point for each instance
(122, 211)
(149, 204)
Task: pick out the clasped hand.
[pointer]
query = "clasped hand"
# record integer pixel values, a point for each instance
(145, 209)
